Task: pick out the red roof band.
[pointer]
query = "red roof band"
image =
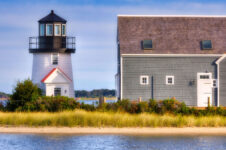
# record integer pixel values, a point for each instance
(51, 72)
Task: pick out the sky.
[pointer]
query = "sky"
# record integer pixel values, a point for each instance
(92, 22)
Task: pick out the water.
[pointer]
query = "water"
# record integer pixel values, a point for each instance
(4, 102)
(90, 102)
(110, 142)
(95, 102)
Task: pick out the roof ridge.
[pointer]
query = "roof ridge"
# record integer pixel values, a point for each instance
(195, 16)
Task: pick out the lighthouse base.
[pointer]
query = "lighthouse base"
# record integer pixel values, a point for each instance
(57, 83)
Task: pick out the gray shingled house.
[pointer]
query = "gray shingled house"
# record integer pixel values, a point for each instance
(161, 57)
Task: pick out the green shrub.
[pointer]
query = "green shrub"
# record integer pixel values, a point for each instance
(51, 104)
(183, 109)
(221, 111)
(153, 106)
(87, 107)
(142, 107)
(25, 91)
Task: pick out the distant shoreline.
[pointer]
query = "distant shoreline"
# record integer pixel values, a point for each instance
(221, 131)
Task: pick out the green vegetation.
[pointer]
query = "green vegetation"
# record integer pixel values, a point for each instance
(24, 92)
(81, 118)
(168, 106)
(27, 107)
(27, 97)
(95, 93)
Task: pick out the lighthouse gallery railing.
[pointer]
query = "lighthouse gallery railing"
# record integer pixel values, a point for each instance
(51, 43)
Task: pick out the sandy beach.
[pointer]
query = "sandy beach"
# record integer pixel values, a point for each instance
(145, 131)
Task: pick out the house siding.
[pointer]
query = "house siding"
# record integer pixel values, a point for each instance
(184, 70)
(222, 83)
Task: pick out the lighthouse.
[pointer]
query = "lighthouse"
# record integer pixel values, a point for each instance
(52, 49)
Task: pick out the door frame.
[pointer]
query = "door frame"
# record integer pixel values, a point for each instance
(210, 78)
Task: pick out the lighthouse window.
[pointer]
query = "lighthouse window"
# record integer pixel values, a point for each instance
(54, 59)
(42, 29)
(49, 29)
(57, 29)
(63, 29)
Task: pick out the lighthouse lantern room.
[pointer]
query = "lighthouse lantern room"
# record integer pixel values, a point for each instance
(52, 49)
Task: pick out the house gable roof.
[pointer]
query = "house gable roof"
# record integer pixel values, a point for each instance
(171, 34)
(56, 75)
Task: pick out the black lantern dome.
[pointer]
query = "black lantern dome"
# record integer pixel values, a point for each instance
(52, 36)
(51, 18)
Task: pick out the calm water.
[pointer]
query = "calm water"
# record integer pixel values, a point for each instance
(95, 102)
(110, 142)
(90, 102)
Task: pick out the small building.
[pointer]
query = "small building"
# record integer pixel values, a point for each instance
(161, 57)
(52, 49)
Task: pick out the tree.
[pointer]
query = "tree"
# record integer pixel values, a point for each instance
(95, 93)
(25, 91)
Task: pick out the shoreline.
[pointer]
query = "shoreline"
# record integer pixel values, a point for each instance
(221, 131)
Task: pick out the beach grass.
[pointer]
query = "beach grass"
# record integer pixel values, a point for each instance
(81, 118)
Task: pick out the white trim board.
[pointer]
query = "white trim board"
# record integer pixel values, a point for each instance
(171, 55)
(218, 78)
(195, 16)
(121, 77)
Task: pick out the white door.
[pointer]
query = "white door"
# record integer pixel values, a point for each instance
(204, 89)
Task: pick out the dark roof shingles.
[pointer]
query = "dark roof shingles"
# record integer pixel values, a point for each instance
(171, 35)
(52, 17)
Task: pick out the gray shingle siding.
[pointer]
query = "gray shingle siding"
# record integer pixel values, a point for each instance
(222, 74)
(184, 70)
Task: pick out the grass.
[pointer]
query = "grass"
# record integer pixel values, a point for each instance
(80, 118)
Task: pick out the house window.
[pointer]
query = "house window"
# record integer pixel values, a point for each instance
(57, 29)
(42, 29)
(49, 29)
(214, 83)
(144, 80)
(204, 76)
(147, 44)
(169, 80)
(206, 45)
(64, 29)
(57, 91)
(54, 59)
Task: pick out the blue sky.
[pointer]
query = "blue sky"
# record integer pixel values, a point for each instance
(93, 23)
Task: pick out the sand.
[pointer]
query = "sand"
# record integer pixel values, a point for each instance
(134, 131)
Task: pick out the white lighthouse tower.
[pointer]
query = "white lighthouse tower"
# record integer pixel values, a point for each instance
(52, 49)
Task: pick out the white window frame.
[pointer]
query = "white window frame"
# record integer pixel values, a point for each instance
(64, 29)
(55, 30)
(42, 24)
(52, 30)
(57, 58)
(167, 78)
(141, 79)
(60, 91)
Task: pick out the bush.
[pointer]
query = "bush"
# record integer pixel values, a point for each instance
(51, 104)
(153, 105)
(25, 91)
(184, 110)
(87, 107)
(143, 107)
